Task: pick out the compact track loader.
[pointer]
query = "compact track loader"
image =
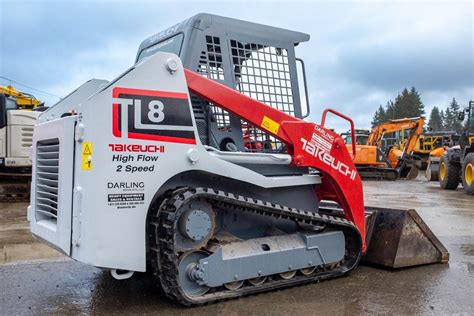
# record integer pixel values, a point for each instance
(195, 163)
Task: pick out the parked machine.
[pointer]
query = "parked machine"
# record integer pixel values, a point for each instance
(200, 154)
(23, 100)
(428, 142)
(16, 137)
(361, 137)
(456, 163)
(378, 160)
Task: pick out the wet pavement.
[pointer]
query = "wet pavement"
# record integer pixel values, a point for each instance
(68, 287)
(16, 242)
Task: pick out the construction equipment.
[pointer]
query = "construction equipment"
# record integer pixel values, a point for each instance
(371, 162)
(16, 136)
(428, 142)
(23, 100)
(219, 194)
(379, 160)
(361, 136)
(456, 164)
(432, 170)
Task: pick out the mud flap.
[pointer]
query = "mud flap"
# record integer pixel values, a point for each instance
(398, 238)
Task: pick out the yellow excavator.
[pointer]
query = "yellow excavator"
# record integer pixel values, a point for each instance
(378, 160)
(23, 100)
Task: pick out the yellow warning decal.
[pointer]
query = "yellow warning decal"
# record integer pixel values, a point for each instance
(270, 125)
(87, 156)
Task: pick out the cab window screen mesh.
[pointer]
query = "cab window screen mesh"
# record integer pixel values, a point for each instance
(263, 73)
(211, 66)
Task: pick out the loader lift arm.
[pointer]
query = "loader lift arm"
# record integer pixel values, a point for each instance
(309, 144)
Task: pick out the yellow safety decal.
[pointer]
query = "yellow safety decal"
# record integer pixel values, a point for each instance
(87, 156)
(270, 125)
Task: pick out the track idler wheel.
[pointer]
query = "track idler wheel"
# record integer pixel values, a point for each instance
(288, 275)
(234, 285)
(188, 264)
(258, 280)
(308, 271)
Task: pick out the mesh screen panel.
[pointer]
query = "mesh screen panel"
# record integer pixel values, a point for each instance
(262, 72)
(210, 66)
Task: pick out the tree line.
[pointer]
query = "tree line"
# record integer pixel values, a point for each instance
(445, 120)
(408, 104)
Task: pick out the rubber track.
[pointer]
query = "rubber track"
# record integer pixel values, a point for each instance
(165, 258)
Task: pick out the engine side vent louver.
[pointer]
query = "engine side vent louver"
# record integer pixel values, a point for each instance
(47, 180)
(26, 136)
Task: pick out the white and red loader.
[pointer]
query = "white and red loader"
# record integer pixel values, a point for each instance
(180, 169)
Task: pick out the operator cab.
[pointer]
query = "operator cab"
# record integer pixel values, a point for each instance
(7, 103)
(467, 115)
(361, 136)
(255, 59)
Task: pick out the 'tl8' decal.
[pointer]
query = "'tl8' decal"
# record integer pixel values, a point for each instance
(152, 115)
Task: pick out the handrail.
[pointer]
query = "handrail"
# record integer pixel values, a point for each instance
(323, 120)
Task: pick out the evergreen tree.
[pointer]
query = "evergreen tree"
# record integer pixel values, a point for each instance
(448, 120)
(443, 120)
(417, 105)
(379, 116)
(456, 124)
(389, 110)
(435, 123)
(407, 104)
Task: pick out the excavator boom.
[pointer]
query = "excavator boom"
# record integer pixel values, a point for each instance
(23, 100)
(374, 161)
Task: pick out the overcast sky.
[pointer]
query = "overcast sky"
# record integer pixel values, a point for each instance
(360, 55)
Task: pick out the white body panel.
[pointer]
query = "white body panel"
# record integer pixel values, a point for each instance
(109, 234)
(17, 137)
(57, 233)
(3, 142)
(72, 100)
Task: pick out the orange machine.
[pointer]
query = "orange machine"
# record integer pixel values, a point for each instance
(377, 160)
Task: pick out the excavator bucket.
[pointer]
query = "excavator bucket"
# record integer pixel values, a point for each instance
(398, 238)
(408, 170)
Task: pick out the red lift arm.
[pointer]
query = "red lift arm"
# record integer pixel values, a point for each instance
(309, 144)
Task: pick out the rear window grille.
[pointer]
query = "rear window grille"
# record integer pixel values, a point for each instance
(211, 66)
(210, 61)
(47, 180)
(263, 73)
